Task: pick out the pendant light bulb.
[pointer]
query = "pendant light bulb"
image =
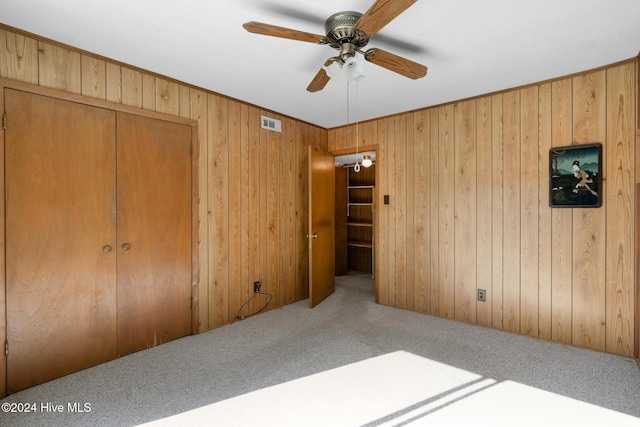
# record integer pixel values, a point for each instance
(333, 70)
(366, 161)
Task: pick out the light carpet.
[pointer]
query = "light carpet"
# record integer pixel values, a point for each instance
(394, 389)
(276, 349)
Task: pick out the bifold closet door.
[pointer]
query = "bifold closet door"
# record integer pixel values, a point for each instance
(60, 231)
(154, 231)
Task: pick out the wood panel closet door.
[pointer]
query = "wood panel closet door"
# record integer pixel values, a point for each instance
(60, 226)
(154, 232)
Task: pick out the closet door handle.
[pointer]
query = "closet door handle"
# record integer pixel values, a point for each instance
(126, 246)
(106, 249)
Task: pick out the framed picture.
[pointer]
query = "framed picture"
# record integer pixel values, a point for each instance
(575, 179)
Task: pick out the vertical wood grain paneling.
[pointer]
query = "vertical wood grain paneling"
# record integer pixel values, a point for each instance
(18, 57)
(94, 77)
(241, 290)
(545, 240)
(450, 227)
(167, 97)
(637, 211)
(465, 220)
(350, 135)
(264, 233)
(497, 216)
(59, 68)
(184, 101)
(400, 210)
(484, 207)
(619, 153)
(340, 138)
(3, 265)
(390, 261)
(235, 129)
(446, 195)
(148, 92)
(331, 140)
(512, 211)
(272, 169)
(408, 228)
(131, 87)
(529, 215)
(114, 83)
(561, 221)
(421, 209)
(199, 111)
(287, 256)
(589, 115)
(219, 219)
(382, 214)
(302, 218)
(252, 183)
(556, 274)
(434, 209)
(255, 237)
(368, 133)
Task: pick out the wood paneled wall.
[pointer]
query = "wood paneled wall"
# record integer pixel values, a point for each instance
(253, 182)
(468, 186)
(469, 192)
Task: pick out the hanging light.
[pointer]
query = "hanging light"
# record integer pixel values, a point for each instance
(333, 70)
(366, 161)
(354, 68)
(347, 68)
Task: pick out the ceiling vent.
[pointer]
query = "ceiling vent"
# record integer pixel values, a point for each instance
(271, 124)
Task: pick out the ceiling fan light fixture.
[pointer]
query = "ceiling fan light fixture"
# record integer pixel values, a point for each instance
(354, 68)
(348, 32)
(341, 26)
(334, 69)
(366, 161)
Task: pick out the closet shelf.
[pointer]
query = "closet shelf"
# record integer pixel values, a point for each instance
(360, 244)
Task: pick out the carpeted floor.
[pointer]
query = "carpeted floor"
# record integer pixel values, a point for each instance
(294, 342)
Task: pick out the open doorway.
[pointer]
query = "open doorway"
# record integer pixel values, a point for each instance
(355, 215)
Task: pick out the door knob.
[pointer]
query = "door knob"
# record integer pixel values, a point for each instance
(126, 246)
(106, 249)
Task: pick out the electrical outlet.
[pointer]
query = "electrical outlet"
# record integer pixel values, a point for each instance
(256, 286)
(482, 295)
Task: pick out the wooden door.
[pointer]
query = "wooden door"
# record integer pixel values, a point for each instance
(60, 228)
(341, 222)
(154, 232)
(321, 226)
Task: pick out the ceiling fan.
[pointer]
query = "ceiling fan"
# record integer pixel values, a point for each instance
(348, 32)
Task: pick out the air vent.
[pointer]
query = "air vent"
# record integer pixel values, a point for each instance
(271, 124)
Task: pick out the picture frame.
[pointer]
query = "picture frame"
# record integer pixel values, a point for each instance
(575, 176)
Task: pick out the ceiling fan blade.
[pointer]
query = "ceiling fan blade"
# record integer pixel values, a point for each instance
(380, 14)
(286, 33)
(395, 63)
(320, 80)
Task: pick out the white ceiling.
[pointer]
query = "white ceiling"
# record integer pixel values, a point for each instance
(471, 47)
